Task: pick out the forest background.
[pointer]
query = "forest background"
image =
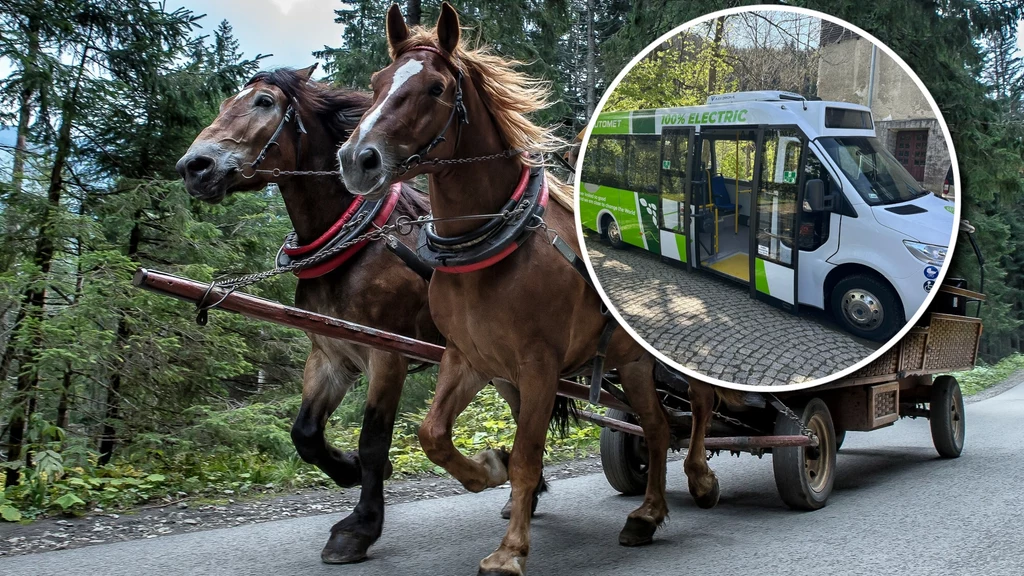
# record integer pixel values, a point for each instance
(110, 396)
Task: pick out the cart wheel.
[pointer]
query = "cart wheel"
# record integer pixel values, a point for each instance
(804, 475)
(840, 438)
(624, 457)
(613, 233)
(947, 417)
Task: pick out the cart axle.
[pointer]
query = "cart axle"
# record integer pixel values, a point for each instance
(737, 443)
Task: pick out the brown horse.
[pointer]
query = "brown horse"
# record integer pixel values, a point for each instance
(373, 287)
(524, 314)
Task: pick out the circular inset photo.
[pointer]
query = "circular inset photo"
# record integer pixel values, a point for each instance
(761, 198)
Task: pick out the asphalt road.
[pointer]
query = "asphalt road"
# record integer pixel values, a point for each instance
(896, 509)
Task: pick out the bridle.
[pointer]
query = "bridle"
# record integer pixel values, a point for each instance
(290, 113)
(458, 109)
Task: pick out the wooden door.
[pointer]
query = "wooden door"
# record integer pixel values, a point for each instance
(911, 149)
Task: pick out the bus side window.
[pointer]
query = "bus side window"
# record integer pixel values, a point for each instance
(612, 168)
(814, 226)
(642, 175)
(593, 160)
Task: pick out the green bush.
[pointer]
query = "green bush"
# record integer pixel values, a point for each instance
(240, 451)
(984, 376)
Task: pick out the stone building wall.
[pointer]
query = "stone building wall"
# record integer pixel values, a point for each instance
(844, 75)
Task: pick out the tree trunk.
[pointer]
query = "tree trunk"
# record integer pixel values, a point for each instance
(32, 314)
(713, 70)
(25, 108)
(108, 439)
(591, 61)
(413, 13)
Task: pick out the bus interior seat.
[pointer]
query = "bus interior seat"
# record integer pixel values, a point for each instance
(720, 195)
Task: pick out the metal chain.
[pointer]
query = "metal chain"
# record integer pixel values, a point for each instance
(415, 160)
(791, 415)
(403, 225)
(276, 172)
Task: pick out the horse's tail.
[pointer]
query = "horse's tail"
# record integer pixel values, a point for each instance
(732, 398)
(566, 410)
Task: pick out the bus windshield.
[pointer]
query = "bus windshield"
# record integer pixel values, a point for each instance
(874, 172)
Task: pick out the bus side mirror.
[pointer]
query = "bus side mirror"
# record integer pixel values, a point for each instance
(814, 196)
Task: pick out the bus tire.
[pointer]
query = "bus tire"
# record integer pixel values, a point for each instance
(624, 457)
(946, 417)
(612, 233)
(867, 307)
(804, 475)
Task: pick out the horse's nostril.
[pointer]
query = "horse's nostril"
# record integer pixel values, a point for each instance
(199, 164)
(369, 159)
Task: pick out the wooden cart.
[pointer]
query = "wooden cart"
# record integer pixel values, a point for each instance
(909, 380)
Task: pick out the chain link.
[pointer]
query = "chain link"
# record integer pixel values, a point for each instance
(786, 411)
(415, 160)
(276, 172)
(403, 225)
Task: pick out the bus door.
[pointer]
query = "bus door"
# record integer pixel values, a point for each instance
(674, 221)
(777, 205)
(725, 170)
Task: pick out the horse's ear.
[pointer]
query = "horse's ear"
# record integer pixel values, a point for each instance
(448, 28)
(398, 32)
(307, 72)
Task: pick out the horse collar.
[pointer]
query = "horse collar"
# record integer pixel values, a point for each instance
(497, 238)
(355, 221)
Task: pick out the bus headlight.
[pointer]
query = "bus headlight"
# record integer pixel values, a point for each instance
(927, 253)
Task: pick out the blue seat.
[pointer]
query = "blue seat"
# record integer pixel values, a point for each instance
(720, 196)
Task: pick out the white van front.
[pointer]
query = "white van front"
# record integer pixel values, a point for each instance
(902, 230)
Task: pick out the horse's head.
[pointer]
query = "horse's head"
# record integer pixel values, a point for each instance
(416, 106)
(260, 118)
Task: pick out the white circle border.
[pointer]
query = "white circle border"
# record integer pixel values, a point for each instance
(956, 200)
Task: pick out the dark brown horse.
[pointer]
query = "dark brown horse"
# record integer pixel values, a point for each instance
(524, 315)
(373, 287)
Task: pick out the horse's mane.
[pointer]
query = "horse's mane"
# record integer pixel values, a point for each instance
(509, 96)
(338, 109)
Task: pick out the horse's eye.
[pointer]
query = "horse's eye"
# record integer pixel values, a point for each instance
(437, 89)
(264, 101)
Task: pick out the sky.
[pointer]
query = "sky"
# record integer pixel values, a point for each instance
(288, 29)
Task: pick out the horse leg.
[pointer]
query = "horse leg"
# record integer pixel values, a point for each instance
(537, 391)
(324, 384)
(510, 394)
(457, 385)
(700, 478)
(638, 384)
(353, 536)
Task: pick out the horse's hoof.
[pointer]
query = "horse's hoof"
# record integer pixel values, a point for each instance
(506, 511)
(346, 548)
(710, 499)
(637, 532)
(495, 573)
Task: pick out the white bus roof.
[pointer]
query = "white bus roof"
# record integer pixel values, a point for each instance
(816, 118)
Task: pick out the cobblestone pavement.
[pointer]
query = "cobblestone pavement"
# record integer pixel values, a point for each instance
(712, 326)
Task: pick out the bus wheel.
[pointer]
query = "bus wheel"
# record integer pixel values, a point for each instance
(866, 307)
(946, 416)
(804, 475)
(613, 233)
(624, 457)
